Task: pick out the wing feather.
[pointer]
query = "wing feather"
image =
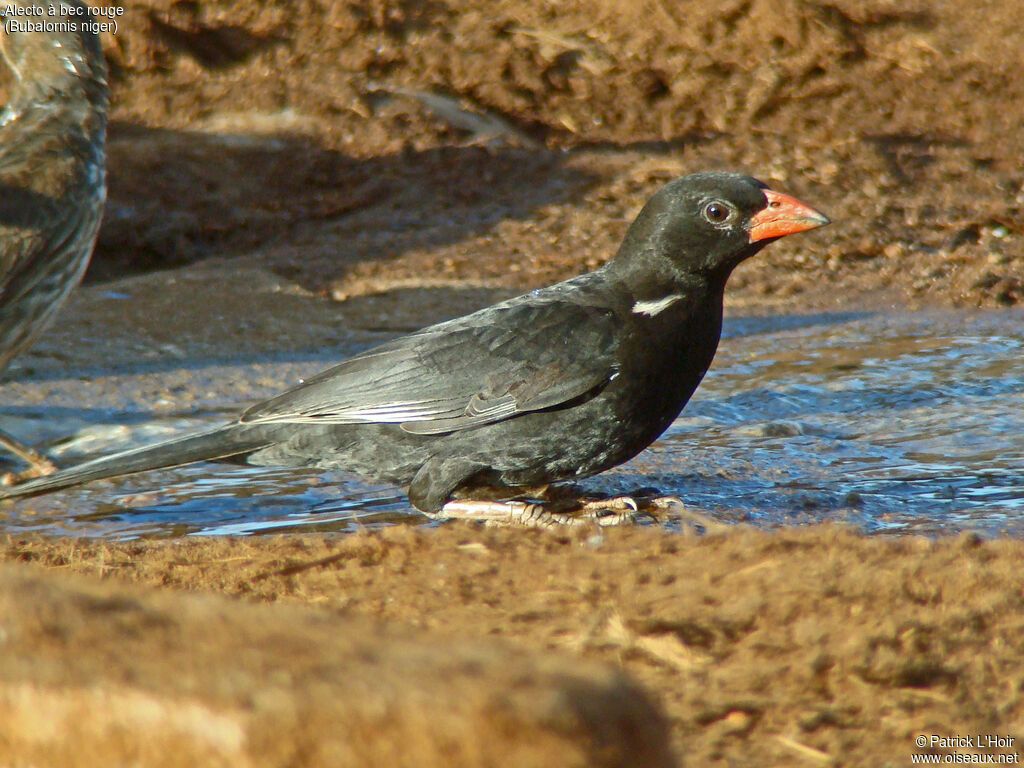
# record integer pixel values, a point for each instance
(523, 355)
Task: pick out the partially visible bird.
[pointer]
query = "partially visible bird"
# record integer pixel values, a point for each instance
(52, 189)
(554, 385)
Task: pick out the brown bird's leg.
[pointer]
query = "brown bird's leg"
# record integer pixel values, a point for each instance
(40, 464)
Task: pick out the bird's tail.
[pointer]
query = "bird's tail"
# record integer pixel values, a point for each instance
(220, 443)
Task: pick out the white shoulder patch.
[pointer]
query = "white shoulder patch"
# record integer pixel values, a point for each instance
(653, 307)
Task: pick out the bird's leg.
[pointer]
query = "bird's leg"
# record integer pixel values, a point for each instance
(40, 464)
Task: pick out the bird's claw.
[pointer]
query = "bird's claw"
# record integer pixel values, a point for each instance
(41, 466)
(39, 463)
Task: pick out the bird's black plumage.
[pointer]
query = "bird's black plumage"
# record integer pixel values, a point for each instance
(557, 384)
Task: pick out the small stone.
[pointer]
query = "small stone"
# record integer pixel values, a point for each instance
(737, 720)
(894, 250)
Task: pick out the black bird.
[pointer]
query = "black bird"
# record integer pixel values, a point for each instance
(557, 384)
(52, 134)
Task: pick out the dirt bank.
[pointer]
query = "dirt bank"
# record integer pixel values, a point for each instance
(805, 647)
(366, 146)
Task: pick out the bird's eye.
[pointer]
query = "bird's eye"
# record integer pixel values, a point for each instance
(716, 213)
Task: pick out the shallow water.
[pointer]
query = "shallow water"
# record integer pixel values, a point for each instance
(895, 423)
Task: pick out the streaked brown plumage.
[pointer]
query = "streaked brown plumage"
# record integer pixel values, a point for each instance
(52, 188)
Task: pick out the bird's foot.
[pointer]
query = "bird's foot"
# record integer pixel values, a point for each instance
(503, 513)
(8, 479)
(620, 510)
(38, 469)
(660, 509)
(39, 464)
(526, 514)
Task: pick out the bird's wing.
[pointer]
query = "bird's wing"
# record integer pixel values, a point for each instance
(50, 205)
(486, 367)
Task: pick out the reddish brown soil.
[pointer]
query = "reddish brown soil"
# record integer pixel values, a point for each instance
(904, 121)
(802, 647)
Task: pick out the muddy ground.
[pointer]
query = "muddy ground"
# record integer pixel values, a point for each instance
(362, 150)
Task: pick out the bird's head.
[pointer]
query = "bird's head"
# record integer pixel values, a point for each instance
(707, 223)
